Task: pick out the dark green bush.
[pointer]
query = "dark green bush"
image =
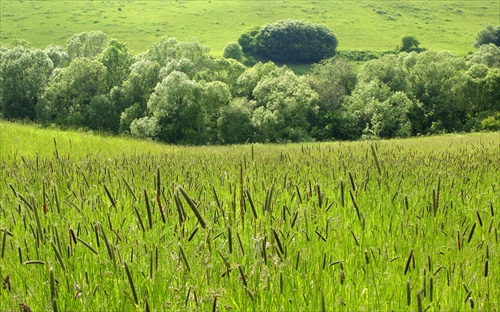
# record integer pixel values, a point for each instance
(290, 41)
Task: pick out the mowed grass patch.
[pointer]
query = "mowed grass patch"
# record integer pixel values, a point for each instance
(365, 25)
(401, 224)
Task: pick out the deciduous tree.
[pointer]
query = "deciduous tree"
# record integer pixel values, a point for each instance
(24, 74)
(86, 44)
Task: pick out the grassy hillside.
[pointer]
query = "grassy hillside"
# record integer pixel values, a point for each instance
(18, 140)
(113, 224)
(359, 25)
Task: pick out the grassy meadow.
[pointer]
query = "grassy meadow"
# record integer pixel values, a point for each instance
(358, 25)
(94, 223)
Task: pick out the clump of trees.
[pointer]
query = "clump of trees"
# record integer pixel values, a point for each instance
(176, 92)
(490, 34)
(290, 41)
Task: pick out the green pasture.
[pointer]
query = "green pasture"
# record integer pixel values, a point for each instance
(92, 223)
(358, 25)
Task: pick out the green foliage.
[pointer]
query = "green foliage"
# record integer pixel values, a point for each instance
(234, 122)
(69, 94)
(233, 50)
(102, 114)
(409, 44)
(117, 61)
(487, 54)
(291, 41)
(388, 70)
(249, 40)
(177, 93)
(86, 44)
(488, 35)
(248, 80)
(182, 65)
(434, 81)
(284, 104)
(140, 83)
(57, 55)
(381, 112)
(491, 122)
(167, 49)
(480, 90)
(131, 113)
(173, 110)
(224, 70)
(333, 79)
(214, 96)
(24, 75)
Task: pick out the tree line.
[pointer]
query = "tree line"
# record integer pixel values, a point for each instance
(177, 93)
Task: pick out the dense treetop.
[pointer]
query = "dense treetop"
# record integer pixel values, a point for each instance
(290, 41)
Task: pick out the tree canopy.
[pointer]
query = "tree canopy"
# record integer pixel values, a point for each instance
(177, 93)
(490, 34)
(290, 41)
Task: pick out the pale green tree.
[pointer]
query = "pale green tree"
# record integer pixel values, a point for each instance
(434, 79)
(233, 51)
(86, 44)
(389, 70)
(380, 112)
(333, 79)
(214, 96)
(487, 54)
(225, 70)
(249, 79)
(285, 105)
(57, 55)
(131, 98)
(174, 106)
(117, 60)
(167, 49)
(181, 65)
(24, 74)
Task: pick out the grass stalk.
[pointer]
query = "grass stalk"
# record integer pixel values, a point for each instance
(193, 207)
(92, 249)
(148, 210)
(4, 243)
(375, 157)
(108, 193)
(53, 290)
(58, 255)
(131, 283)
(184, 259)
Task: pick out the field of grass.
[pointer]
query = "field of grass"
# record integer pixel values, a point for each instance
(94, 223)
(358, 25)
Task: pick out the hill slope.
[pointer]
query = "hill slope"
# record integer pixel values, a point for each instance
(17, 140)
(359, 25)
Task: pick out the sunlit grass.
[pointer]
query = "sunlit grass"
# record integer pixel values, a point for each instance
(359, 25)
(133, 225)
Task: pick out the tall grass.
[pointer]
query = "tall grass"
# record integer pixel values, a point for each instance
(330, 226)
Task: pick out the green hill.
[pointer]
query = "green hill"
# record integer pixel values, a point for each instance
(359, 25)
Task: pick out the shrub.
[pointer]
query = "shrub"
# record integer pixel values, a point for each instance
(290, 41)
(487, 35)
